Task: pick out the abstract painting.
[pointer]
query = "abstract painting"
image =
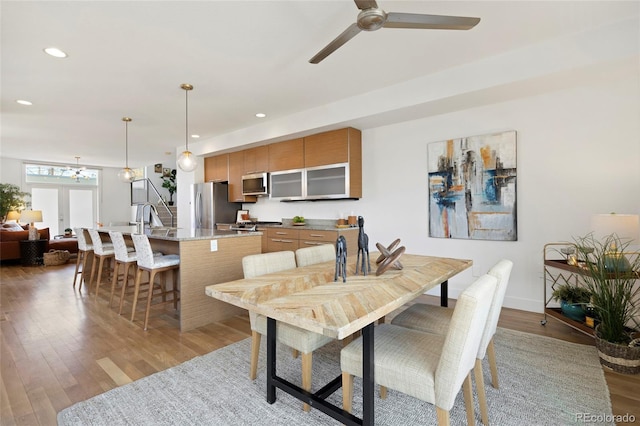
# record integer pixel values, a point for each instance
(472, 187)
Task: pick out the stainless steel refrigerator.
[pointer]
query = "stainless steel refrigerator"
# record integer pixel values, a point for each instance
(210, 205)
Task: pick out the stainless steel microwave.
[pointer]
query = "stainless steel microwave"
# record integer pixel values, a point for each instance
(255, 184)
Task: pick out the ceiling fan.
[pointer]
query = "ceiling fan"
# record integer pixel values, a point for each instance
(77, 173)
(372, 18)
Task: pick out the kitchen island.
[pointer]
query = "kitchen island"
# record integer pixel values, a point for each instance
(207, 256)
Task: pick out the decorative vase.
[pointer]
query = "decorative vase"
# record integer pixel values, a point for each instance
(575, 311)
(620, 358)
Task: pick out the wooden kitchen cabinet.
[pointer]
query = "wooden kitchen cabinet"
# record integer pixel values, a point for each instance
(216, 169)
(336, 146)
(287, 155)
(280, 239)
(322, 155)
(256, 160)
(236, 170)
(315, 238)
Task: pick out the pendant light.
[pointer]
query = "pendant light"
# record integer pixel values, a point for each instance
(186, 160)
(126, 175)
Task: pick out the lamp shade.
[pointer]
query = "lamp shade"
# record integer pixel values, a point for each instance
(31, 216)
(625, 226)
(13, 215)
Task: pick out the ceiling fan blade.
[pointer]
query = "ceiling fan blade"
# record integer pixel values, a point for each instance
(346, 35)
(366, 4)
(429, 22)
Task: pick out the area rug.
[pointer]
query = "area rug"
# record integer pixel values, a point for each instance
(543, 381)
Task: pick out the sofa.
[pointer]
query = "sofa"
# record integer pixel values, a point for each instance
(10, 241)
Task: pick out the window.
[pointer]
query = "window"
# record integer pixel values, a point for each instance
(61, 175)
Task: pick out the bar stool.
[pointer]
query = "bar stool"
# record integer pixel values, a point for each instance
(101, 251)
(125, 258)
(84, 249)
(154, 265)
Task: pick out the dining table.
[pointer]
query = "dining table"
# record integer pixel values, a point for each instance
(309, 298)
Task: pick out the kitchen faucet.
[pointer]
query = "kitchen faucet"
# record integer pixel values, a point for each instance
(151, 218)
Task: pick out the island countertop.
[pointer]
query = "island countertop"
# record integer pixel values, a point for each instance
(180, 234)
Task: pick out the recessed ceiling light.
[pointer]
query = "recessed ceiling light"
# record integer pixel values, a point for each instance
(23, 102)
(261, 115)
(55, 52)
(195, 136)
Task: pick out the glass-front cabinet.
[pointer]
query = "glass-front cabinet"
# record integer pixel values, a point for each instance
(328, 181)
(313, 183)
(287, 184)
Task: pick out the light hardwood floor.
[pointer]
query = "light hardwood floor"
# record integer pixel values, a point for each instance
(60, 346)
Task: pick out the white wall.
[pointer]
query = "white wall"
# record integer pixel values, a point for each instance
(578, 154)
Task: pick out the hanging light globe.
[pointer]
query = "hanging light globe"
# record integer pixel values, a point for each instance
(126, 175)
(187, 161)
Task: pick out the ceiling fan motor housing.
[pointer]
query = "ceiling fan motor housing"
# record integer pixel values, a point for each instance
(371, 19)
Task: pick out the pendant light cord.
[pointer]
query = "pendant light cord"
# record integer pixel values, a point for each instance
(186, 119)
(126, 144)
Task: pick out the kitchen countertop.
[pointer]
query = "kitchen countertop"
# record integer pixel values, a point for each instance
(316, 227)
(180, 234)
(310, 224)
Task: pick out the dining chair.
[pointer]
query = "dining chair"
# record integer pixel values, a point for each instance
(315, 254)
(154, 264)
(319, 254)
(85, 249)
(102, 251)
(436, 319)
(427, 366)
(296, 338)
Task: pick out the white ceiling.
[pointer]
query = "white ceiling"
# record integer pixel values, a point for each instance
(243, 57)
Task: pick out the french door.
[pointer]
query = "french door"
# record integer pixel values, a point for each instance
(64, 206)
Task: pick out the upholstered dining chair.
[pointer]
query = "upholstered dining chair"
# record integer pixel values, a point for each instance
(154, 264)
(436, 319)
(102, 251)
(294, 337)
(84, 250)
(430, 367)
(315, 254)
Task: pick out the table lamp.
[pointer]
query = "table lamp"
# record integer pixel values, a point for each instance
(13, 215)
(30, 217)
(624, 228)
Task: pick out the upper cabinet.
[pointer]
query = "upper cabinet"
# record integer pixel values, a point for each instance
(332, 169)
(236, 170)
(216, 169)
(287, 155)
(256, 160)
(323, 166)
(337, 147)
(333, 147)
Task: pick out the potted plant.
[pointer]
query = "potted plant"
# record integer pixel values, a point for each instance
(611, 277)
(68, 232)
(11, 198)
(169, 182)
(573, 300)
